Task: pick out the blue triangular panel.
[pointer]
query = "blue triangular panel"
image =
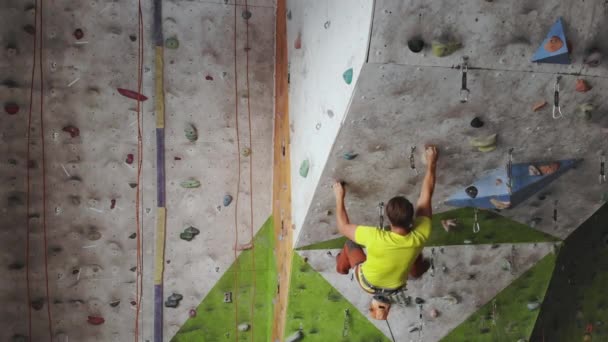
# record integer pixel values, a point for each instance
(558, 57)
(494, 185)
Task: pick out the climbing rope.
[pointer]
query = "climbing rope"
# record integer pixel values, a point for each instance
(238, 184)
(412, 160)
(138, 212)
(381, 215)
(464, 90)
(476, 227)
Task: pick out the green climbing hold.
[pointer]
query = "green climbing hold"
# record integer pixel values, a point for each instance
(191, 133)
(443, 49)
(585, 110)
(304, 167)
(349, 155)
(348, 76)
(172, 43)
(190, 184)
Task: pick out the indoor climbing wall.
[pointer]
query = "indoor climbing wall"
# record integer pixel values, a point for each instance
(218, 152)
(464, 80)
(71, 250)
(80, 233)
(326, 52)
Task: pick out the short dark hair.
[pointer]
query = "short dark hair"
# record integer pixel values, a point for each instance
(400, 212)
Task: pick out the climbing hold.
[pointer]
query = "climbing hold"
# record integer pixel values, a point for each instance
(133, 269)
(189, 233)
(243, 327)
(172, 43)
(132, 37)
(413, 328)
(227, 297)
(486, 148)
(471, 191)
(289, 15)
(585, 110)
(15, 266)
(295, 337)
(246, 15)
(192, 313)
(539, 105)
(190, 184)
(582, 86)
(349, 155)
(132, 185)
(297, 43)
(443, 48)
(327, 24)
(173, 300)
(11, 108)
(434, 313)
(227, 200)
(177, 158)
(304, 167)
(209, 78)
(112, 204)
(348, 76)
(30, 29)
(487, 141)
(95, 320)
(593, 59)
(500, 204)
(129, 159)
(476, 123)
(132, 94)
(246, 152)
(419, 301)
(37, 304)
(74, 131)
(415, 44)
(78, 34)
(450, 299)
(548, 169)
(554, 48)
(534, 171)
(449, 224)
(133, 236)
(191, 133)
(533, 306)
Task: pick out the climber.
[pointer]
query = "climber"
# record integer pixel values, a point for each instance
(391, 255)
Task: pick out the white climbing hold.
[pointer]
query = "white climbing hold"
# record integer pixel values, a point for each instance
(243, 327)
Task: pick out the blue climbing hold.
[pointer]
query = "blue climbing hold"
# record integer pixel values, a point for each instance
(349, 155)
(496, 190)
(554, 48)
(348, 76)
(227, 200)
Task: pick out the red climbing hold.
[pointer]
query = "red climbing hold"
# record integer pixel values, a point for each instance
(74, 131)
(113, 204)
(297, 44)
(11, 108)
(129, 159)
(78, 34)
(192, 313)
(96, 320)
(209, 78)
(131, 94)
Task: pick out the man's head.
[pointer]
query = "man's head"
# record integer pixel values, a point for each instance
(400, 212)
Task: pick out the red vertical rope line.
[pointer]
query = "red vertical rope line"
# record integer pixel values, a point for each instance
(27, 177)
(253, 274)
(138, 218)
(238, 183)
(44, 227)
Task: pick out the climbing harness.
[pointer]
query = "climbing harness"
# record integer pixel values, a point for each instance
(555, 214)
(602, 169)
(346, 326)
(432, 272)
(557, 111)
(381, 214)
(476, 227)
(464, 91)
(510, 171)
(412, 160)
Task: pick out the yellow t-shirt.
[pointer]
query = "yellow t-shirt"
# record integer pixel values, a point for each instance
(390, 255)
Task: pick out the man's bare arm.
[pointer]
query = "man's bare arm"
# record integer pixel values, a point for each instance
(424, 206)
(344, 226)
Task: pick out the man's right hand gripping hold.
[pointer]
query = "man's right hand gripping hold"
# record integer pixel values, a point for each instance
(391, 255)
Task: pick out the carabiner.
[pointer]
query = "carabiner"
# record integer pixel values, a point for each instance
(557, 110)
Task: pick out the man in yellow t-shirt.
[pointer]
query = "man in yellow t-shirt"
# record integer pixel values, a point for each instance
(391, 255)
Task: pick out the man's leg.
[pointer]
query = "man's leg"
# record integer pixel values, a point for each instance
(419, 267)
(351, 255)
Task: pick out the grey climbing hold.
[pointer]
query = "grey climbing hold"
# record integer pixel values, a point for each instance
(114, 303)
(189, 184)
(412, 328)
(348, 76)
(227, 200)
(189, 233)
(133, 236)
(243, 327)
(289, 15)
(173, 300)
(533, 306)
(471, 191)
(476, 123)
(246, 15)
(327, 24)
(172, 43)
(349, 155)
(19, 338)
(132, 185)
(191, 133)
(304, 167)
(419, 300)
(37, 304)
(297, 336)
(415, 44)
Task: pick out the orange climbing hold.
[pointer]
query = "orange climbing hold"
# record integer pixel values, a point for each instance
(582, 86)
(95, 320)
(555, 43)
(132, 94)
(539, 105)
